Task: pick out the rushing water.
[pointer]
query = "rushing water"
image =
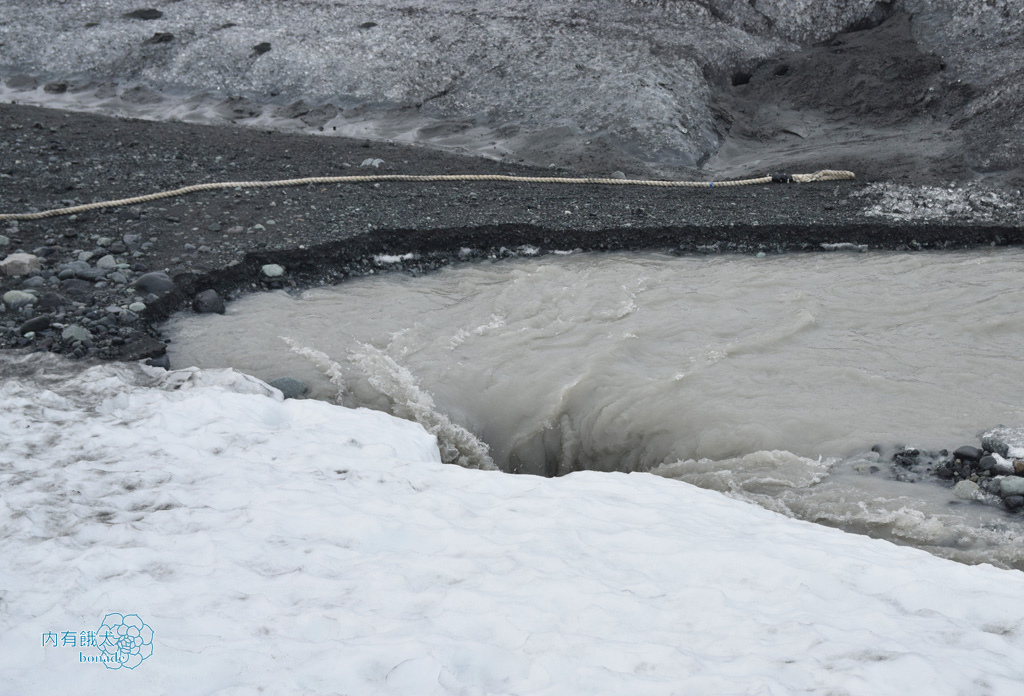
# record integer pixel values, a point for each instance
(769, 378)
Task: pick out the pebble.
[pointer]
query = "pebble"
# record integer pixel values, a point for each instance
(967, 490)
(107, 262)
(272, 270)
(76, 332)
(1014, 502)
(4, 241)
(1011, 485)
(19, 264)
(155, 282)
(16, 299)
(968, 453)
(137, 307)
(35, 325)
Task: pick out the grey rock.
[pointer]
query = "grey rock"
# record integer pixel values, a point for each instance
(34, 325)
(208, 302)
(156, 283)
(1014, 502)
(968, 453)
(76, 332)
(966, 490)
(19, 264)
(34, 282)
(272, 270)
(1002, 439)
(118, 278)
(16, 299)
(4, 241)
(107, 262)
(76, 287)
(137, 307)
(290, 387)
(1011, 485)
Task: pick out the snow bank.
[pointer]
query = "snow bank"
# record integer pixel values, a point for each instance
(300, 547)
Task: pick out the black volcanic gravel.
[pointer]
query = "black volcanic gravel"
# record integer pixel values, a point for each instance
(322, 234)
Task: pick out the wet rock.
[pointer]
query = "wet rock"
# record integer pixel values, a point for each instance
(967, 490)
(208, 302)
(968, 454)
(1003, 439)
(76, 332)
(261, 48)
(19, 264)
(36, 324)
(143, 347)
(290, 387)
(16, 299)
(986, 463)
(1014, 502)
(1011, 485)
(156, 283)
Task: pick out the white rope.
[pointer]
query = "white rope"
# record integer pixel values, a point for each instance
(823, 175)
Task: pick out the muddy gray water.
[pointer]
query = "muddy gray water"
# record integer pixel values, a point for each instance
(769, 378)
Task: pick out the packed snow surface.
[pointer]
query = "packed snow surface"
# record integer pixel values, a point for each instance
(302, 547)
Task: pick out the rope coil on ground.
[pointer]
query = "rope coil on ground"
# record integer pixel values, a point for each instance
(822, 175)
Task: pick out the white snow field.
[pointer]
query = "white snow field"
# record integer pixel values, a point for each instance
(298, 547)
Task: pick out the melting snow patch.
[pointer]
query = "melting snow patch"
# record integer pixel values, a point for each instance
(387, 259)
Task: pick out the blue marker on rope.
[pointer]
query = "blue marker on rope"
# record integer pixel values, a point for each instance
(711, 184)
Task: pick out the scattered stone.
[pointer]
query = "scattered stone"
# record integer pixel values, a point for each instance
(290, 387)
(144, 347)
(156, 282)
(261, 48)
(33, 282)
(208, 302)
(35, 325)
(107, 262)
(4, 241)
(137, 307)
(1014, 502)
(372, 162)
(76, 288)
(968, 453)
(16, 299)
(1011, 485)
(967, 490)
(1002, 440)
(272, 270)
(76, 332)
(19, 264)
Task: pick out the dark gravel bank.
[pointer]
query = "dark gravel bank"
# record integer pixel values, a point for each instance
(95, 271)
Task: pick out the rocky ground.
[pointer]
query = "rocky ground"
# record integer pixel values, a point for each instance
(95, 283)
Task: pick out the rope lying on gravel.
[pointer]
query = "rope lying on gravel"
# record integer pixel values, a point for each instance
(823, 175)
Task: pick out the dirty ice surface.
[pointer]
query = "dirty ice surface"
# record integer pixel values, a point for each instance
(301, 547)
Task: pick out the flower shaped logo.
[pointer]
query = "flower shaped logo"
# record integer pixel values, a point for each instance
(125, 641)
